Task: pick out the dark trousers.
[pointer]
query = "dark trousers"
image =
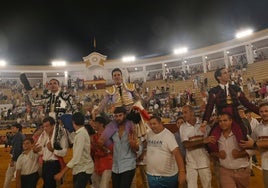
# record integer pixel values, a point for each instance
(254, 159)
(81, 179)
(123, 180)
(50, 168)
(29, 181)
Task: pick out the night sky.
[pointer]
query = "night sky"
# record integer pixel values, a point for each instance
(36, 32)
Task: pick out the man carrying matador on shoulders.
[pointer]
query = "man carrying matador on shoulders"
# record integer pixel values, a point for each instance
(123, 94)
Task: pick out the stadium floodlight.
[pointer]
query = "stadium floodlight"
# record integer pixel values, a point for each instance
(244, 33)
(128, 58)
(58, 63)
(2, 63)
(180, 50)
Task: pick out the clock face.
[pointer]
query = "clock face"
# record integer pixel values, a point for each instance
(94, 59)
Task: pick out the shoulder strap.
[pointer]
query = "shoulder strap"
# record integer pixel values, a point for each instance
(129, 86)
(110, 90)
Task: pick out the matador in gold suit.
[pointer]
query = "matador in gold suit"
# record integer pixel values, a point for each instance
(124, 95)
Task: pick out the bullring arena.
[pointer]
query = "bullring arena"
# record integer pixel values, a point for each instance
(181, 78)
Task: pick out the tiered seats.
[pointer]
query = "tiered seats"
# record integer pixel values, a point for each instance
(6, 92)
(257, 70)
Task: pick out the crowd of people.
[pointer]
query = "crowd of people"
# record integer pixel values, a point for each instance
(109, 148)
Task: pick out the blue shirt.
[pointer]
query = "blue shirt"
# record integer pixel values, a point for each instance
(124, 158)
(17, 149)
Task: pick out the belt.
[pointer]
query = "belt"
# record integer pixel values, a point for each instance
(236, 170)
(35, 173)
(50, 161)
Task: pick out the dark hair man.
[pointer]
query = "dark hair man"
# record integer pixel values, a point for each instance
(226, 98)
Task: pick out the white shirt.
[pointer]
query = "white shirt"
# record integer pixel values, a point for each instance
(259, 133)
(81, 160)
(227, 88)
(27, 163)
(195, 158)
(228, 145)
(254, 123)
(48, 155)
(160, 159)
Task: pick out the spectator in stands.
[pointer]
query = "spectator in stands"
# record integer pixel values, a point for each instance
(52, 150)
(262, 91)
(56, 102)
(256, 88)
(102, 157)
(81, 163)
(194, 140)
(27, 166)
(226, 98)
(162, 146)
(259, 140)
(234, 161)
(206, 82)
(192, 98)
(16, 150)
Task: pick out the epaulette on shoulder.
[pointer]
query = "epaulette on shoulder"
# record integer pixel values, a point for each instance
(65, 95)
(45, 96)
(130, 86)
(110, 90)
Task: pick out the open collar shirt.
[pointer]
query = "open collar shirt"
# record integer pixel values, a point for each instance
(261, 133)
(81, 160)
(48, 155)
(228, 145)
(124, 159)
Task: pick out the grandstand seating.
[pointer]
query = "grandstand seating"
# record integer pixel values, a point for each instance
(257, 70)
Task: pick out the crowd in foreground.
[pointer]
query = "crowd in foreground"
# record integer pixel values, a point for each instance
(118, 147)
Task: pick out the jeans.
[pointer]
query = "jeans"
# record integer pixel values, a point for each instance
(163, 181)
